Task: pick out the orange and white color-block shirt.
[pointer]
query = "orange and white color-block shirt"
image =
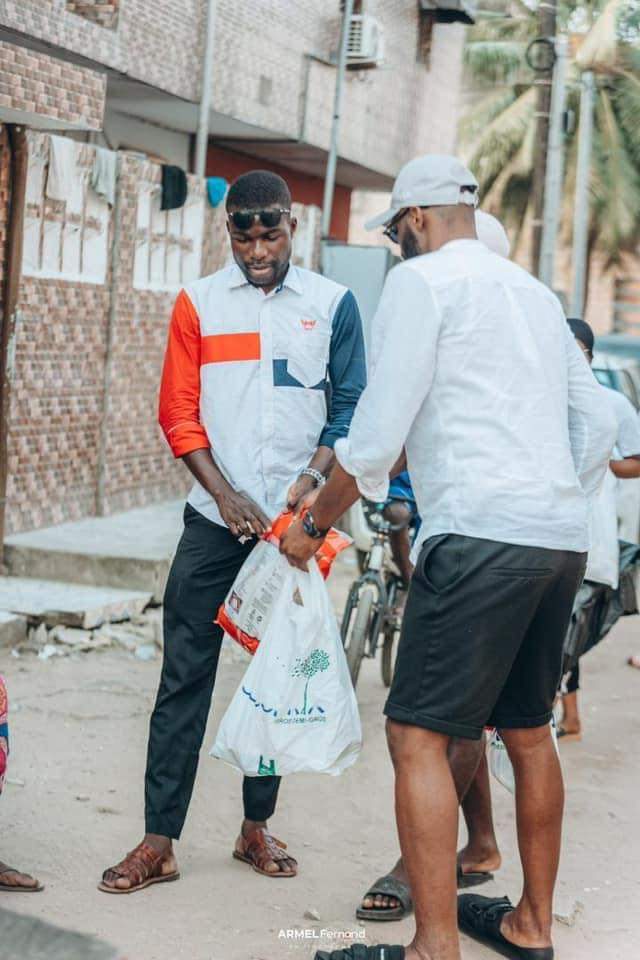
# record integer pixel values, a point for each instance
(260, 379)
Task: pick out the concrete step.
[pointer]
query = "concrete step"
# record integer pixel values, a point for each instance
(13, 629)
(71, 604)
(128, 551)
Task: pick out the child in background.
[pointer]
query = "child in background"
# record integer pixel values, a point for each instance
(11, 880)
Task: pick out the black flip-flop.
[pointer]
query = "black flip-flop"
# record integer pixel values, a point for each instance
(359, 952)
(480, 918)
(390, 886)
(473, 878)
(387, 886)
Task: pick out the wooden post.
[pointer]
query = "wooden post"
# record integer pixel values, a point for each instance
(19, 158)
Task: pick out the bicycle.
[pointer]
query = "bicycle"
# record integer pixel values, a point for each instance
(371, 610)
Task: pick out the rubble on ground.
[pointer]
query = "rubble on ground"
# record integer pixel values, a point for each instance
(140, 636)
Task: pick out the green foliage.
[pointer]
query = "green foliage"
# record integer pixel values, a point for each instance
(498, 130)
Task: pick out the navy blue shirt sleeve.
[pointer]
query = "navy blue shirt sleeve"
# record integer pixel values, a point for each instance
(347, 369)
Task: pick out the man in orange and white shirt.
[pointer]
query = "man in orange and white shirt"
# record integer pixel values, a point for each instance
(263, 369)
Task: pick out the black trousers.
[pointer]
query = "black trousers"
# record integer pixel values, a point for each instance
(206, 563)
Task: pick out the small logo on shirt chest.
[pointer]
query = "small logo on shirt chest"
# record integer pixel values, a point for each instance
(307, 323)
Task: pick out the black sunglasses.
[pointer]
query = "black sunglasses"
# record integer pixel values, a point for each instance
(391, 230)
(245, 219)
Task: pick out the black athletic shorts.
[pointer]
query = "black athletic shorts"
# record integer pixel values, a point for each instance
(483, 635)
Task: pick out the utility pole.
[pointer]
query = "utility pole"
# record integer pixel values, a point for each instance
(547, 16)
(202, 136)
(332, 159)
(581, 203)
(555, 166)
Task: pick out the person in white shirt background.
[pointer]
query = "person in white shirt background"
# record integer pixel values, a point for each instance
(603, 566)
(505, 436)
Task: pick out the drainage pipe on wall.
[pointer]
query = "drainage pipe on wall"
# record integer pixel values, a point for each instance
(113, 279)
(332, 158)
(202, 137)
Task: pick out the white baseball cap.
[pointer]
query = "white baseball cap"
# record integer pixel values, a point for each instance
(433, 180)
(491, 232)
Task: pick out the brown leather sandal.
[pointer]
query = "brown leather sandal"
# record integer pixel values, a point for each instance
(142, 867)
(260, 848)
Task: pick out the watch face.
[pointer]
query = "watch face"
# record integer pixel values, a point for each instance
(309, 526)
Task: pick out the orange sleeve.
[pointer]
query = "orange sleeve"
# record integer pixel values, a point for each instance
(179, 406)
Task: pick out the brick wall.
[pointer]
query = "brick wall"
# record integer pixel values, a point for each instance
(389, 114)
(159, 42)
(62, 388)
(70, 379)
(50, 89)
(263, 73)
(56, 401)
(139, 467)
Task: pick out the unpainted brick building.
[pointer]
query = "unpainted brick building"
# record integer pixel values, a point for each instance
(98, 279)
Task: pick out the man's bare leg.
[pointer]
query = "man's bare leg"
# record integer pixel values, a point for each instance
(539, 807)
(398, 512)
(465, 758)
(427, 818)
(481, 854)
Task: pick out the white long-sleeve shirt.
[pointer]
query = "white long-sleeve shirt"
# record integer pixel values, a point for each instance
(603, 565)
(474, 370)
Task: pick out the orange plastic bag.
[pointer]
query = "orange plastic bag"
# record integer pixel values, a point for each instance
(246, 611)
(333, 544)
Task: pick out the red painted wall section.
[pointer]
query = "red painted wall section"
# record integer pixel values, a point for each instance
(304, 188)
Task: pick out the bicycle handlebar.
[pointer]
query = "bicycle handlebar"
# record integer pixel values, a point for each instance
(378, 523)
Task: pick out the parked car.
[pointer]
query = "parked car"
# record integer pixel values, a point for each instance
(622, 373)
(619, 373)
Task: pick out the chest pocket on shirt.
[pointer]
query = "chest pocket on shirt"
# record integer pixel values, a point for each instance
(302, 360)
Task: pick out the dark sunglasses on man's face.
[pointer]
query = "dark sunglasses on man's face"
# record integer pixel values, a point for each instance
(245, 219)
(391, 230)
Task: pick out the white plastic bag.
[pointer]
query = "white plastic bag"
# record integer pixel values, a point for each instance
(295, 710)
(499, 762)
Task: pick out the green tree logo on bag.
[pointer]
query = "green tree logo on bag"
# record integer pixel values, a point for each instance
(317, 662)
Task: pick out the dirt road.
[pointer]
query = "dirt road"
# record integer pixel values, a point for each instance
(79, 736)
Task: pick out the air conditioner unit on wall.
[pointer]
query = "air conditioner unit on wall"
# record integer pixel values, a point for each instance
(366, 42)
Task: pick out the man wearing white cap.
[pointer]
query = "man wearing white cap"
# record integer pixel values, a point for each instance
(505, 437)
(389, 898)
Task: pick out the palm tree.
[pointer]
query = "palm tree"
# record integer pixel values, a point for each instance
(498, 130)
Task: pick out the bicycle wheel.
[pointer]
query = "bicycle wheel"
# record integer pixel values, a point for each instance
(391, 636)
(356, 633)
(389, 650)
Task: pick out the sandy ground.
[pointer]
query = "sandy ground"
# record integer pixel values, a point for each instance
(79, 736)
